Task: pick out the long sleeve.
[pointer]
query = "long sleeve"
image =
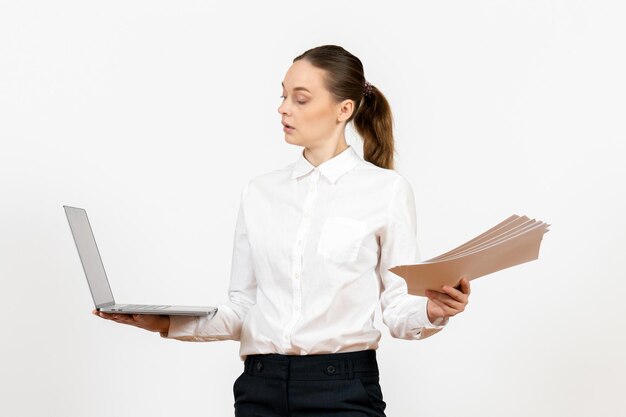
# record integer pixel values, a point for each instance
(404, 314)
(227, 322)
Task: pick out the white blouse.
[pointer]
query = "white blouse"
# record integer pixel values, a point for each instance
(311, 254)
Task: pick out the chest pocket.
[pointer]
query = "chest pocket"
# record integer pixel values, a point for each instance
(341, 238)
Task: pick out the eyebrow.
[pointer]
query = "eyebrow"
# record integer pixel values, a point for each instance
(296, 88)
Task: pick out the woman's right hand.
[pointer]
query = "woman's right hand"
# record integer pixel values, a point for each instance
(150, 322)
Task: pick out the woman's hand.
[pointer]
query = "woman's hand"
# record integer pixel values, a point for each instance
(150, 322)
(448, 302)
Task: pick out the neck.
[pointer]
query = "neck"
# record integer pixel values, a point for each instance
(319, 155)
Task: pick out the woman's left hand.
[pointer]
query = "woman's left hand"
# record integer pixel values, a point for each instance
(448, 302)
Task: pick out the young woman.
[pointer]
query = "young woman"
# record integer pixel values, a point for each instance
(313, 244)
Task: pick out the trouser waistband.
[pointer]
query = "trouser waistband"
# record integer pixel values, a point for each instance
(342, 365)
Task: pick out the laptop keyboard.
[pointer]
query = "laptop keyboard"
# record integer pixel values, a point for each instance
(144, 307)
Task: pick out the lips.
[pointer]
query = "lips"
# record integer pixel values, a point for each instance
(286, 125)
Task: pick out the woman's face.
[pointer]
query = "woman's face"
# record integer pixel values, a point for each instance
(309, 107)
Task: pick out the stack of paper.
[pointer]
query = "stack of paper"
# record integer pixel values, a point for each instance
(513, 241)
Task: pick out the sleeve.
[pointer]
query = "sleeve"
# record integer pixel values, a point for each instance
(404, 314)
(226, 323)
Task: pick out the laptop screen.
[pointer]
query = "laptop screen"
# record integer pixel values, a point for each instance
(89, 256)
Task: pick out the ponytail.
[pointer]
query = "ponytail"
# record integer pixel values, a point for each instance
(374, 123)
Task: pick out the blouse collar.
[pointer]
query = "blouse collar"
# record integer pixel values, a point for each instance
(332, 169)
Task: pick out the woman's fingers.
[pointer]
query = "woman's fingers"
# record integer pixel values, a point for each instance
(445, 299)
(450, 301)
(120, 318)
(465, 286)
(446, 309)
(460, 295)
(453, 293)
(102, 314)
(151, 322)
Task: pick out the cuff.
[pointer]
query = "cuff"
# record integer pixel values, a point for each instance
(419, 323)
(181, 327)
(438, 324)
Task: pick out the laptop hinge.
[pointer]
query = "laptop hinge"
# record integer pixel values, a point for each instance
(110, 303)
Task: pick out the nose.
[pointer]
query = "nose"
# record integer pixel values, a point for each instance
(281, 109)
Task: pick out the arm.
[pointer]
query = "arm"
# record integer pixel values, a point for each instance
(227, 322)
(406, 315)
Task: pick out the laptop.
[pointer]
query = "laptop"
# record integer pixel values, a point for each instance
(98, 281)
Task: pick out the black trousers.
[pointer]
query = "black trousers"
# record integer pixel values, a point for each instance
(342, 384)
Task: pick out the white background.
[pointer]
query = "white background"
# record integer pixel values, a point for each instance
(152, 115)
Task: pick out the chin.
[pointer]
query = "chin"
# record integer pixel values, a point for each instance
(289, 139)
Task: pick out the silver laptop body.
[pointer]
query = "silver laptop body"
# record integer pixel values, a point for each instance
(98, 281)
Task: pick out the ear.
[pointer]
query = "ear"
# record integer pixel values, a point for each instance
(346, 108)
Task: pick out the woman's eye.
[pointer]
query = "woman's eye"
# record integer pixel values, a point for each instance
(298, 101)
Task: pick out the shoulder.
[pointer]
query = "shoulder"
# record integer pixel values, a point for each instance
(382, 177)
(268, 179)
